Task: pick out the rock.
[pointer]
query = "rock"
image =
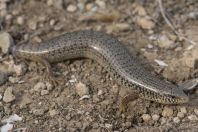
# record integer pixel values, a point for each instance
(3, 78)
(53, 113)
(38, 111)
(146, 117)
(71, 8)
(180, 114)
(20, 20)
(191, 57)
(167, 112)
(8, 95)
(192, 117)
(32, 24)
(165, 42)
(140, 10)
(20, 69)
(25, 100)
(44, 92)
(100, 92)
(52, 22)
(196, 111)
(145, 23)
(183, 110)
(81, 89)
(6, 42)
(1, 97)
(109, 126)
(163, 120)
(176, 120)
(39, 86)
(118, 27)
(155, 117)
(49, 2)
(101, 3)
(49, 86)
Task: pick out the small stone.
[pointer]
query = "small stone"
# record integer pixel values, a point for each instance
(52, 22)
(180, 114)
(176, 120)
(49, 86)
(163, 120)
(39, 86)
(6, 42)
(118, 27)
(25, 100)
(81, 89)
(53, 113)
(167, 112)
(14, 79)
(183, 110)
(0, 97)
(32, 24)
(196, 111)
(101, 3)
(128, 124)
(146, 117)
(20, 20)
(3, 78)
(155, 117)
(165, 42)
(38, 111)
(71, 8)
(100, 92)
(192, 117)
(140, 10)
(8, 95)
(109, 126)
(20, 69)
(145, 23)
(44, 92)
(49, 2)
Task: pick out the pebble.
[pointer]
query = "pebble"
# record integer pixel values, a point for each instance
(3, 78)
(196, 111)
(49, 86)
(20, 20)
(191, 57)
(192, 117)
(155, 117)
(52, 22)
(118, 27)
(32, 24)
(44, 92)
(38, 111)
(8, 95)
(49, 2)
(146, 117)
(81, 89)
(71, 8)
(101, 3)
(165, 42)
(39, 86)
(109, 126)
(53, 113)
(1, 97)
(6, 42)
(163, 120)
(180, 114)
(183, 110)
(176, 120)
(25, 100)
(20, 69)
(167, 112)
(145, 23)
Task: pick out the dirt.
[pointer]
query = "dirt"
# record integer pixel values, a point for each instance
(61, 108)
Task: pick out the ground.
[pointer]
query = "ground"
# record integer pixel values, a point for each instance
(89, 98)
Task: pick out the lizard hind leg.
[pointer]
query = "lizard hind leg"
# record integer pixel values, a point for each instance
(125, 100)
(49, 76)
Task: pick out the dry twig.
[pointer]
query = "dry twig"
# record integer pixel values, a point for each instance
(171, 25)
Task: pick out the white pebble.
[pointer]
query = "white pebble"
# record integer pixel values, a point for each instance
(146, 117)
(20, 20)
(180, 114)
(192, 117)
(6, 42)
(167, 112)
(176, 119)
(71, 8)
(81, 89)
(183, 110)
(155, 117)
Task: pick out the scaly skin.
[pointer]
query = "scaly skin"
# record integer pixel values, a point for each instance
(112, 55)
